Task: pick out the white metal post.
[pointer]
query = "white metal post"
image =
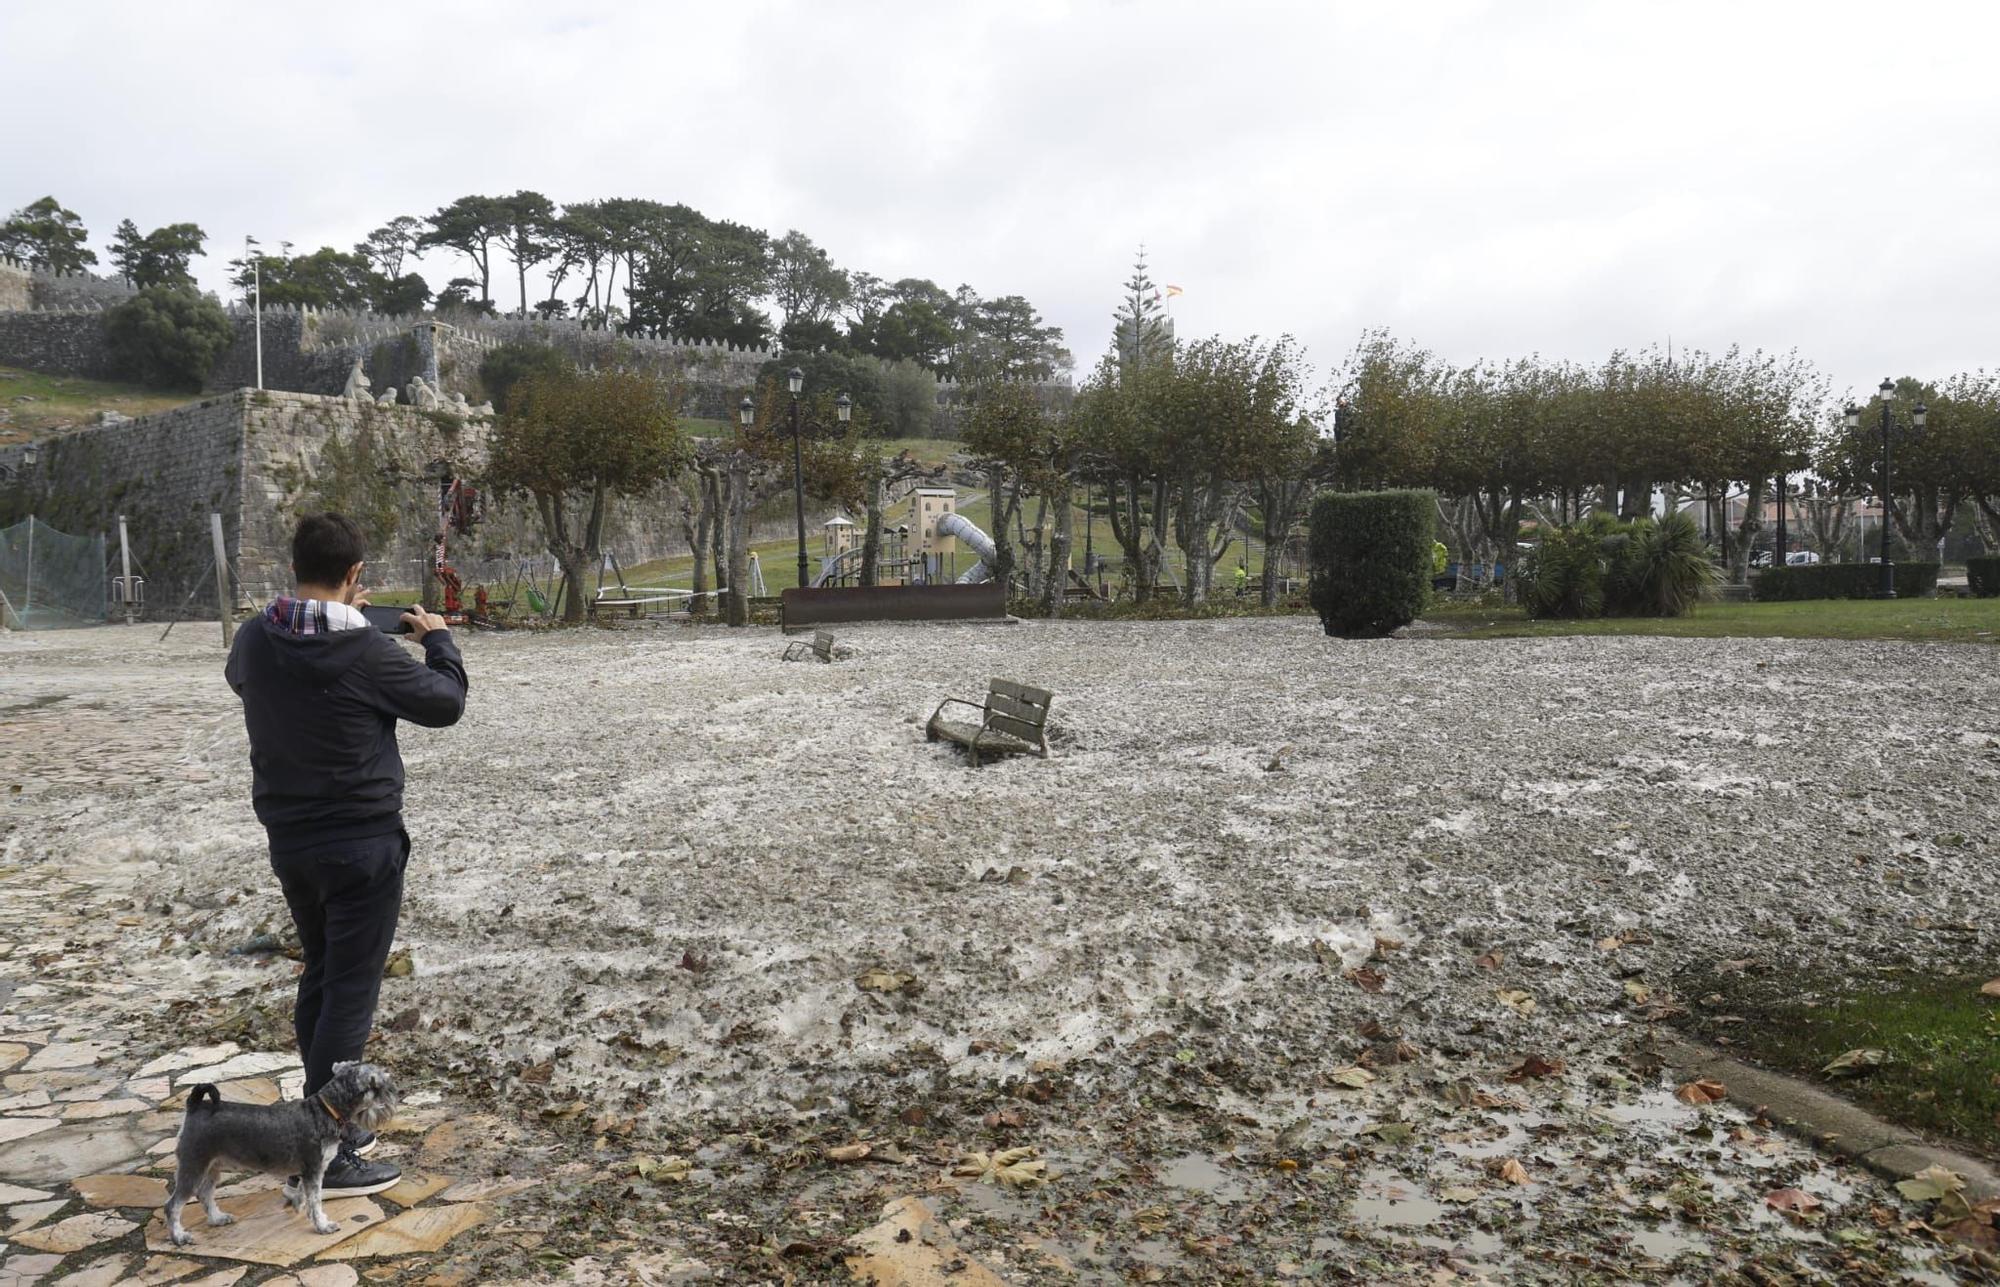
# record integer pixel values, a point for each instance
(256, 259)
(221, 578)
(28, 593)
(125, 568)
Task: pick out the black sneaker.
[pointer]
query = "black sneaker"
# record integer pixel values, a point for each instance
(347, 1176)
(363, 1143)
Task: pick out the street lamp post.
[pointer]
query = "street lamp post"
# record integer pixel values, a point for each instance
(1918, 414)
(795, 381)
(1779, 558)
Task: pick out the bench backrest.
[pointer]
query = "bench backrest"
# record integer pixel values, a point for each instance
(1017, 709)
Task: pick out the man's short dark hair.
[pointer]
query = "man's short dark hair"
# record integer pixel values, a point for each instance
(324, 547)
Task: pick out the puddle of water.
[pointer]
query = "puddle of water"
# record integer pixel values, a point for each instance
(1203, 1174)
(1388, 1201)
(1475, 1243)
(1665, 1242)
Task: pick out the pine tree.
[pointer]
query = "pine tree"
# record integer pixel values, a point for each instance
(1144, 335)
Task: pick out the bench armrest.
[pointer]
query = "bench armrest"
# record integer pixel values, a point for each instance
(955, 701)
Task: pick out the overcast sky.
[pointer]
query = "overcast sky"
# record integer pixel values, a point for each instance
(1487, 179)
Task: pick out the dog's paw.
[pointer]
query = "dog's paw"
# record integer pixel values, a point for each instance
(327, 1226)
(220, 1220)
(181, 1237)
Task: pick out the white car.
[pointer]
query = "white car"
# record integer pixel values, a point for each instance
(1801, 558)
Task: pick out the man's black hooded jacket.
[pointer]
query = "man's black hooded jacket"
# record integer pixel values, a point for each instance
(321, 710)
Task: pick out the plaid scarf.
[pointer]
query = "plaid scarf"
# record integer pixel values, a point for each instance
(299, 616)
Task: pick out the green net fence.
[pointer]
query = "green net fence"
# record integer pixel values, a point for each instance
(50, 579)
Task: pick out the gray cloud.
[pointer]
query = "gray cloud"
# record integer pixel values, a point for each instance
(1488, 179)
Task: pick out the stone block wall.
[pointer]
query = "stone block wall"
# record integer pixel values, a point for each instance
(258, 459)
(15, 293)
(58, 343)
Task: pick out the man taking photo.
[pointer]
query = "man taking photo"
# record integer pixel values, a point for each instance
(322, 691)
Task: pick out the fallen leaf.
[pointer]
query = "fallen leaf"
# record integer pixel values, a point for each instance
(1931, 1184)
(539, 1074)
(1705, 1091)
(1287, 1164)
(1489, 960)
(1352, 1078)
(1511, 1170)
(1793, 1202)
(1536, 1066)
(1990, 988)
(849, 1152)
(1856, 1062)
(661, 1170)
(1385, 945)
(1013, 1168)
(881, 979)
(1611, 944)
(1459, 1193)
(1367, 980)
(1637, 992)
(1522, 1003)
(1979, 1228)
(1391, 1132)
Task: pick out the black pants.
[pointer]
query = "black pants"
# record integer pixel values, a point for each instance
(345, 897)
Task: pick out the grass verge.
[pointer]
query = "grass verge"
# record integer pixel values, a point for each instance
(1934, 620)
(1940, 1038)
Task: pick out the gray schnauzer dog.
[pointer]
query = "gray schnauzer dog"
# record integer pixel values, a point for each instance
(295, 1138)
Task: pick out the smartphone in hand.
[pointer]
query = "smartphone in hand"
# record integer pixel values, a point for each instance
(387, 618)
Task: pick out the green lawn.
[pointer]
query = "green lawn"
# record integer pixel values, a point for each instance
(1947, 620)
(1939, 1038)
(54, 400)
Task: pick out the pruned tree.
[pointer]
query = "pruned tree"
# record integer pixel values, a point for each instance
(570, 442)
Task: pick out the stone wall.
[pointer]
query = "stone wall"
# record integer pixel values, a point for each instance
(15, 291)
(58, 343)
(258, 459)
(58, 291)
(261, 459)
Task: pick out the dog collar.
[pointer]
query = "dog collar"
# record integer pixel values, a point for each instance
(329, 1109)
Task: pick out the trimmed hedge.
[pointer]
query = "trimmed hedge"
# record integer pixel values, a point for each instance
(1842, 581)
(1371, 560)
(1982, 576)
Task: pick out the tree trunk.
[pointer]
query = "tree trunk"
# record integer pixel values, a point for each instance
(737, 505)
(871, 539)
(571, 555)
(1055, 585)
(703, 526)
(1747, 528)
(1004, 507)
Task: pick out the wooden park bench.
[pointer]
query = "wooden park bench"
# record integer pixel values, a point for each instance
(1013, 721)
(820, 647)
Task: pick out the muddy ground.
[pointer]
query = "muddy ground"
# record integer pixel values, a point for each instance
(1281, 960)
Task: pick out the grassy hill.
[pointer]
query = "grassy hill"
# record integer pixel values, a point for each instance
(33, 403)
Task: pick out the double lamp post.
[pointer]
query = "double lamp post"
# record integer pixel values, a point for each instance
(1918, 414)
(746, 411)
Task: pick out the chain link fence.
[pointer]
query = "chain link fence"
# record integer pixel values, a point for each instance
(50, 579)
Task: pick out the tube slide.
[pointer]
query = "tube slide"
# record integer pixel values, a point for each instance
(962, 527)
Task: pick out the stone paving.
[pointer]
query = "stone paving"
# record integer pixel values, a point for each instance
(95, 984)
